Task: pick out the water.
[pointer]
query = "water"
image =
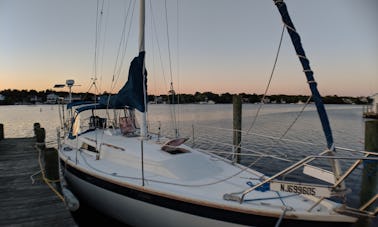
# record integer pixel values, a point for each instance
(213, 123)
(346, 120)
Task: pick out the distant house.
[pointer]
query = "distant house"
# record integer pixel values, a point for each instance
(35, 99)
(2, 97)
(347, 101)
(157, 100)
(363, 99)
(52, 98)
(74, 98)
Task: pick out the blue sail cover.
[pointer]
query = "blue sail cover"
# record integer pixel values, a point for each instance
(78, 103)
(296, 40)
(132, 93)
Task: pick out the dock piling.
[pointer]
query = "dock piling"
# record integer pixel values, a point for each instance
(237, 118)
(1, 131)
(369, 174)
(40, 136)
(370, 168)
(51, 164)
(35, 126)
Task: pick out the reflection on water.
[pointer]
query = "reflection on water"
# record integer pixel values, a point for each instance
(18, 120)
(213, 123)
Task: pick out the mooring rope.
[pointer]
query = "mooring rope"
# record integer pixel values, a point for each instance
(44, 178)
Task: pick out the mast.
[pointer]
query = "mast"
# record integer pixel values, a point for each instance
(296, 40)
(141, 49)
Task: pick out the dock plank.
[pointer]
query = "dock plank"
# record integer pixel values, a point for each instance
(21, 202)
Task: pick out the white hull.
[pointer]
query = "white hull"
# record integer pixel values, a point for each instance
(134, 212)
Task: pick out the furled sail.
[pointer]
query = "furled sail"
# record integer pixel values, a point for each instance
(132, 94)
(296, 40)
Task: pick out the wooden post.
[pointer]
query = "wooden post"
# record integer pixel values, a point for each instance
(35, 126)
(40, 136)
(237, 116)
(369, 173)
(1, 131)
(51, 164)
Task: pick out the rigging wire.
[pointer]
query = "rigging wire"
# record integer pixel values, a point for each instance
(269, 149)
(265, 136)
(267, 87)
(99, 16)
(269, 82)
(180, 111)
(155, 35)
(296, 118)
(263, 98)
(168, 44)
(103, 45)
(158, 46)
(93, 84)
(99, 19)
(152, 56)
(180, 107)
(122, 46)
(96, 40)
(171, 91)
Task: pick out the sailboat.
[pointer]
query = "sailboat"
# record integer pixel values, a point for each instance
(144, 179)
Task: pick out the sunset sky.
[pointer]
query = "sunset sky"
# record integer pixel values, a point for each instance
(215, 45)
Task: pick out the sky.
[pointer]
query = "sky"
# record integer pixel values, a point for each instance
(198, 45)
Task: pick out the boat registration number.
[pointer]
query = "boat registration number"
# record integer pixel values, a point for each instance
(300, 188)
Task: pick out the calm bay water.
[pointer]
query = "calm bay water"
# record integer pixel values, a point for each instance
(213, 123)
(273, 120)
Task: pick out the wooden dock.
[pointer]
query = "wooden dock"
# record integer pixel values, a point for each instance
(21, 202)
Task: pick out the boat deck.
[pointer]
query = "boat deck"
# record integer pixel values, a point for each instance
(24, 203)
(190, 176)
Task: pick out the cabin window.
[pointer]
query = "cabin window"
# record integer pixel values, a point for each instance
(88, 147)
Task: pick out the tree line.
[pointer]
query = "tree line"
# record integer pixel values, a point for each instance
(13, 96)
(206, 97)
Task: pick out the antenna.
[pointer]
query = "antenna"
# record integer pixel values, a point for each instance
(69, 83)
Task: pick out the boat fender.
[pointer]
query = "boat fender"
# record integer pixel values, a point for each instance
(263, 188)
(70, 200)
